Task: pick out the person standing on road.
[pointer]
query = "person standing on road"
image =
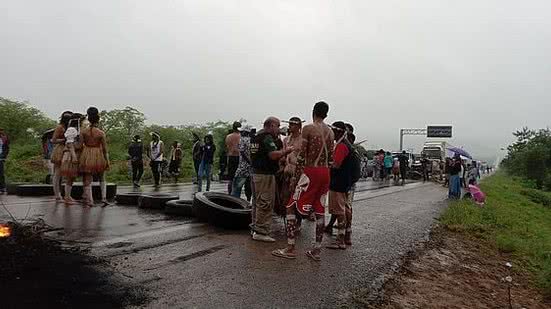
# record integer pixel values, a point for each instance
(404, 163)
(232, 149)
(94, 159)
(243, 173)
(196, 155)
(293, 139)
(58, 139)
(265, 156)
(454, 169)
(378, 165)
(156, 152)
(205, 168)
(175, 161)
(350, 196)
(135, 153)
(388, 162)
(341, 182)
(313, 184)
(4, 151)
(70, 161)
(47, 149)
(426, 164)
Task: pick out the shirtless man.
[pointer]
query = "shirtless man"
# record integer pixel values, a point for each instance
(313, 181)
(294, 139)
(232, 148)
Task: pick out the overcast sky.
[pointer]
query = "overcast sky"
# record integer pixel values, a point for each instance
(482, 66)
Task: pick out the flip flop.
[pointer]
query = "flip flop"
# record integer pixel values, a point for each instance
(282, 253)
(105, 204)
(311, 255)
(336, 246)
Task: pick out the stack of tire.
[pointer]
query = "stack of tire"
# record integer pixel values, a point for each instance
(222, 210)
(219, 209)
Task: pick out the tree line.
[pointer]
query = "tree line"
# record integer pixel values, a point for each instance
(530, 156)
(25, 125)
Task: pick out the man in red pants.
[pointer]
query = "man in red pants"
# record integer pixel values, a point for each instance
(313, 181)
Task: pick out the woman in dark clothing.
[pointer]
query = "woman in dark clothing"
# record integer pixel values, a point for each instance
(454, 169)
(207, 160)
(135, 152)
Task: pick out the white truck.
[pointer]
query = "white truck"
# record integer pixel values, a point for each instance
(435, 150)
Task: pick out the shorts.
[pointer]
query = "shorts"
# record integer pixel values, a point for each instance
(311, 191)
(337, 202)
(233, 163)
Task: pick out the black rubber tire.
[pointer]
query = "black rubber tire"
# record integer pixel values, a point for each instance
(11, 188)
(35, 190)
(129, 198)
(180, 208)
(156, 200)
(78, 190)
(222, 210)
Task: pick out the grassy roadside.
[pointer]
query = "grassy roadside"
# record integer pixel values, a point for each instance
(515, 220)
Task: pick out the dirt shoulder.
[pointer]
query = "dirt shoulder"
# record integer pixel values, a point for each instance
(455, 271)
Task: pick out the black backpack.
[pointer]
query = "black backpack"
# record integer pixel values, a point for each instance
(354, 164)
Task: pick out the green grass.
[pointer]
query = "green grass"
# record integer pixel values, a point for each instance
(515, 219)
(25, 164)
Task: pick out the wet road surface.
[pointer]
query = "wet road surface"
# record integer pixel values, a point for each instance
(184, 264)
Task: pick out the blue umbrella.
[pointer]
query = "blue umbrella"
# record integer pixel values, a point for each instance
(460, 151)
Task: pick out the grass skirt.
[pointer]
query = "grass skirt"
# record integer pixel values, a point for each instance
(92, 161)
(68, 167)
(57, 154)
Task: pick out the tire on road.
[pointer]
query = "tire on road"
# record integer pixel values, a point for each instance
(78, 190)
(180, 208)
(156, 200)
(129, 198)
(34, 190)
(11, 188)
(222, 210)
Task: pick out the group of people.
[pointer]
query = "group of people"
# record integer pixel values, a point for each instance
(460, 174)
(156, 156)
(79, 150)
(386, 165)
(295, 176)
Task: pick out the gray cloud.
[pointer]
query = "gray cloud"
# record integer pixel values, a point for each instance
(482, 66)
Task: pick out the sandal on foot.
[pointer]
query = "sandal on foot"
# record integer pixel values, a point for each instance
(336, 246)
(313, 256)
(69, 201)
(282, 253)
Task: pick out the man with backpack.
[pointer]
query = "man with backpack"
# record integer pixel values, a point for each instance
(342, 180)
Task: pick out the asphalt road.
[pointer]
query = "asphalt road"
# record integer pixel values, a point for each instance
(185, 264)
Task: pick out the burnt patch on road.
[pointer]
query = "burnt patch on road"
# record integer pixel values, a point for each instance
(42, 273)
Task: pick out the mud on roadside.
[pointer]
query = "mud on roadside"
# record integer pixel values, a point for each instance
(452, 270)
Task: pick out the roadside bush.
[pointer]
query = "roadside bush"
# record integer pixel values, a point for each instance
(537, 196)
